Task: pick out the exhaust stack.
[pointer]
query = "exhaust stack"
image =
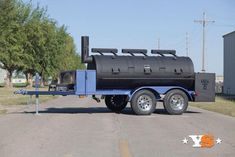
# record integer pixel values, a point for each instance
(85, 50)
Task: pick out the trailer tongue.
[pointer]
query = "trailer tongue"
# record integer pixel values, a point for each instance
(140, 80)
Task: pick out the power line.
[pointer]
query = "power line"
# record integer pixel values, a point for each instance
(225, 25)
(187, 44)
(204, 22)
(158, 43)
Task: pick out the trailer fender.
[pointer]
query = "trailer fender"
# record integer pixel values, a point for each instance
(157, 95)
(162, 90)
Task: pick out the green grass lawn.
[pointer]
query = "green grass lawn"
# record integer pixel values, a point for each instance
(221, 105)
(7, 97)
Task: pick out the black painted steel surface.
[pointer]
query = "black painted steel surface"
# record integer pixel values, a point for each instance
(136, 71)
(131, 71)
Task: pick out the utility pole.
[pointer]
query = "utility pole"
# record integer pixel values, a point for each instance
(187, 43)
(158, 43)
(204, 22)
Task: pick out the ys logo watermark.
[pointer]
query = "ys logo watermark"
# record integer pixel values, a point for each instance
(202, 141)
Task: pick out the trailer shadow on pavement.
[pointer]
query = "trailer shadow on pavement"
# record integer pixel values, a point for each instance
(94, 110)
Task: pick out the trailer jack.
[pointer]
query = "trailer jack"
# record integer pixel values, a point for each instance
(95, 98)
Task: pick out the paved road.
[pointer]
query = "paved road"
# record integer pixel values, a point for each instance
(73, 127)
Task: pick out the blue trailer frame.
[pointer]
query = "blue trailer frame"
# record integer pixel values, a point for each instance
(86, 85)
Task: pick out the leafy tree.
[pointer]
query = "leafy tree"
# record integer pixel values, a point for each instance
(70, 60)
(50, 48)
(13, 15)
(32, 42)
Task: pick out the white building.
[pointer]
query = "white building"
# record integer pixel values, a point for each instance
(219, 79)
(229, 63)
(15, 80)
(3, 75)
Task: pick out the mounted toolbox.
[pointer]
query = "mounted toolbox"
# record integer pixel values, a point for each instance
(205, 87)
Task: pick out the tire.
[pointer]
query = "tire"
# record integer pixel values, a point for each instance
(116, 103)
(143, 102)
(175, 102)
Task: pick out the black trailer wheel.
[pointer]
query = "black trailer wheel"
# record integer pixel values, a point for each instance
(175, 102)
(143, 102)
(116, 103)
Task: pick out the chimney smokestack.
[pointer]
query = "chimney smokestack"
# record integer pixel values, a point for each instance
(85, 50)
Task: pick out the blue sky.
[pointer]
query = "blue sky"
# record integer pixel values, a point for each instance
(140, 23)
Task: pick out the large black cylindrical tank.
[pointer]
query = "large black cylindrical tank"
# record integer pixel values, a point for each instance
(122, 72)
